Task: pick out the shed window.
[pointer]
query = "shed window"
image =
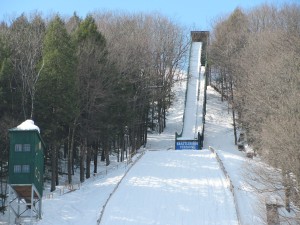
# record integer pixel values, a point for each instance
(26, 147)
(17, 168)
(25, 169)
(18, 147)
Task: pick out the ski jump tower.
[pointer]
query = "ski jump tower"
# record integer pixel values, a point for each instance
(192, 134)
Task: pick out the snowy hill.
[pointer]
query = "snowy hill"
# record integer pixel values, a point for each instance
(172, 187)
(189, 187)
(167, 186)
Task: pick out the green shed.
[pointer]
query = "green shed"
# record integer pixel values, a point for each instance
(26, 162)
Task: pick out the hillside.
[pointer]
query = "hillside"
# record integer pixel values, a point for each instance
(84, 206)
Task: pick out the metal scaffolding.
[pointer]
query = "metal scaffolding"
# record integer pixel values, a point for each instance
(25, 203)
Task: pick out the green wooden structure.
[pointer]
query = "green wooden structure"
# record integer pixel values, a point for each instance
(26, 168)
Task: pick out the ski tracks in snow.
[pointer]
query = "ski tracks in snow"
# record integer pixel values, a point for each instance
(172, 187)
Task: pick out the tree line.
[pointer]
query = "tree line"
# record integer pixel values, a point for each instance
(92, 85)
(254, 60)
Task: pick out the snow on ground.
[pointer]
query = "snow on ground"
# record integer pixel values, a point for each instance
(166, 140)
(218, 124)
(81, 206)
(219, 135)
(167, 187)
(172, 187)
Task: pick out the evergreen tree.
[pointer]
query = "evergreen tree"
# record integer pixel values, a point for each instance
(91, 72)
(5, 121)
(56, 107)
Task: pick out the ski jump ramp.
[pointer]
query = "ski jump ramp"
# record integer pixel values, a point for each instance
(191, 136)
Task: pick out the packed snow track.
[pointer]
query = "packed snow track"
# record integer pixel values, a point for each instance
(190, 126)
(172, 187)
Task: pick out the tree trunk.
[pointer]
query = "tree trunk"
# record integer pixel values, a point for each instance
(118, 147)
(165, 116)
(70, 154)
(106, 150)
(53, 167)
(103, 153)
(287, 190)
(131, 142)
(145, 136)
(56, 163)
(233, 113)
(146, 126)
(152, 116)
(88, 161)
(159, 112)
(122, 144)
(81, 157)
(222, 86)
(234, 126)
(96, 156)
(209, 74)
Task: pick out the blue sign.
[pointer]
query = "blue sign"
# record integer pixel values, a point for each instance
(186, 145)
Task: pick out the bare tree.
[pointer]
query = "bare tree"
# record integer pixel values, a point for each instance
(264, 72)
(229, 38)
(26, 39)
(148, 61)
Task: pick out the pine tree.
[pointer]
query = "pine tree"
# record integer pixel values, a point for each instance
(91, 70)
(57, 106)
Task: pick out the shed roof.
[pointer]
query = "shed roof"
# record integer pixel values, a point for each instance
(26, 125)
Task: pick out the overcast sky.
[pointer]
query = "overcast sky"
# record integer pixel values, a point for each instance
(195, 14)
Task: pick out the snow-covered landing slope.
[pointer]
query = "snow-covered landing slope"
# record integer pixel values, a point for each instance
(172, 187)
(219, 134)
(193, 107)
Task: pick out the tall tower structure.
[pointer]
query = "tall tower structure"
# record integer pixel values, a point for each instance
(26, 171)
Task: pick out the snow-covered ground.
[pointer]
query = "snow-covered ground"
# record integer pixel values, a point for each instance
(147, 194)
(219, 135)
(162, 183)
(81, 206)
(172, 187)
(167, 186)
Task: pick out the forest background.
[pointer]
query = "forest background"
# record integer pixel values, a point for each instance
(99, 84)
